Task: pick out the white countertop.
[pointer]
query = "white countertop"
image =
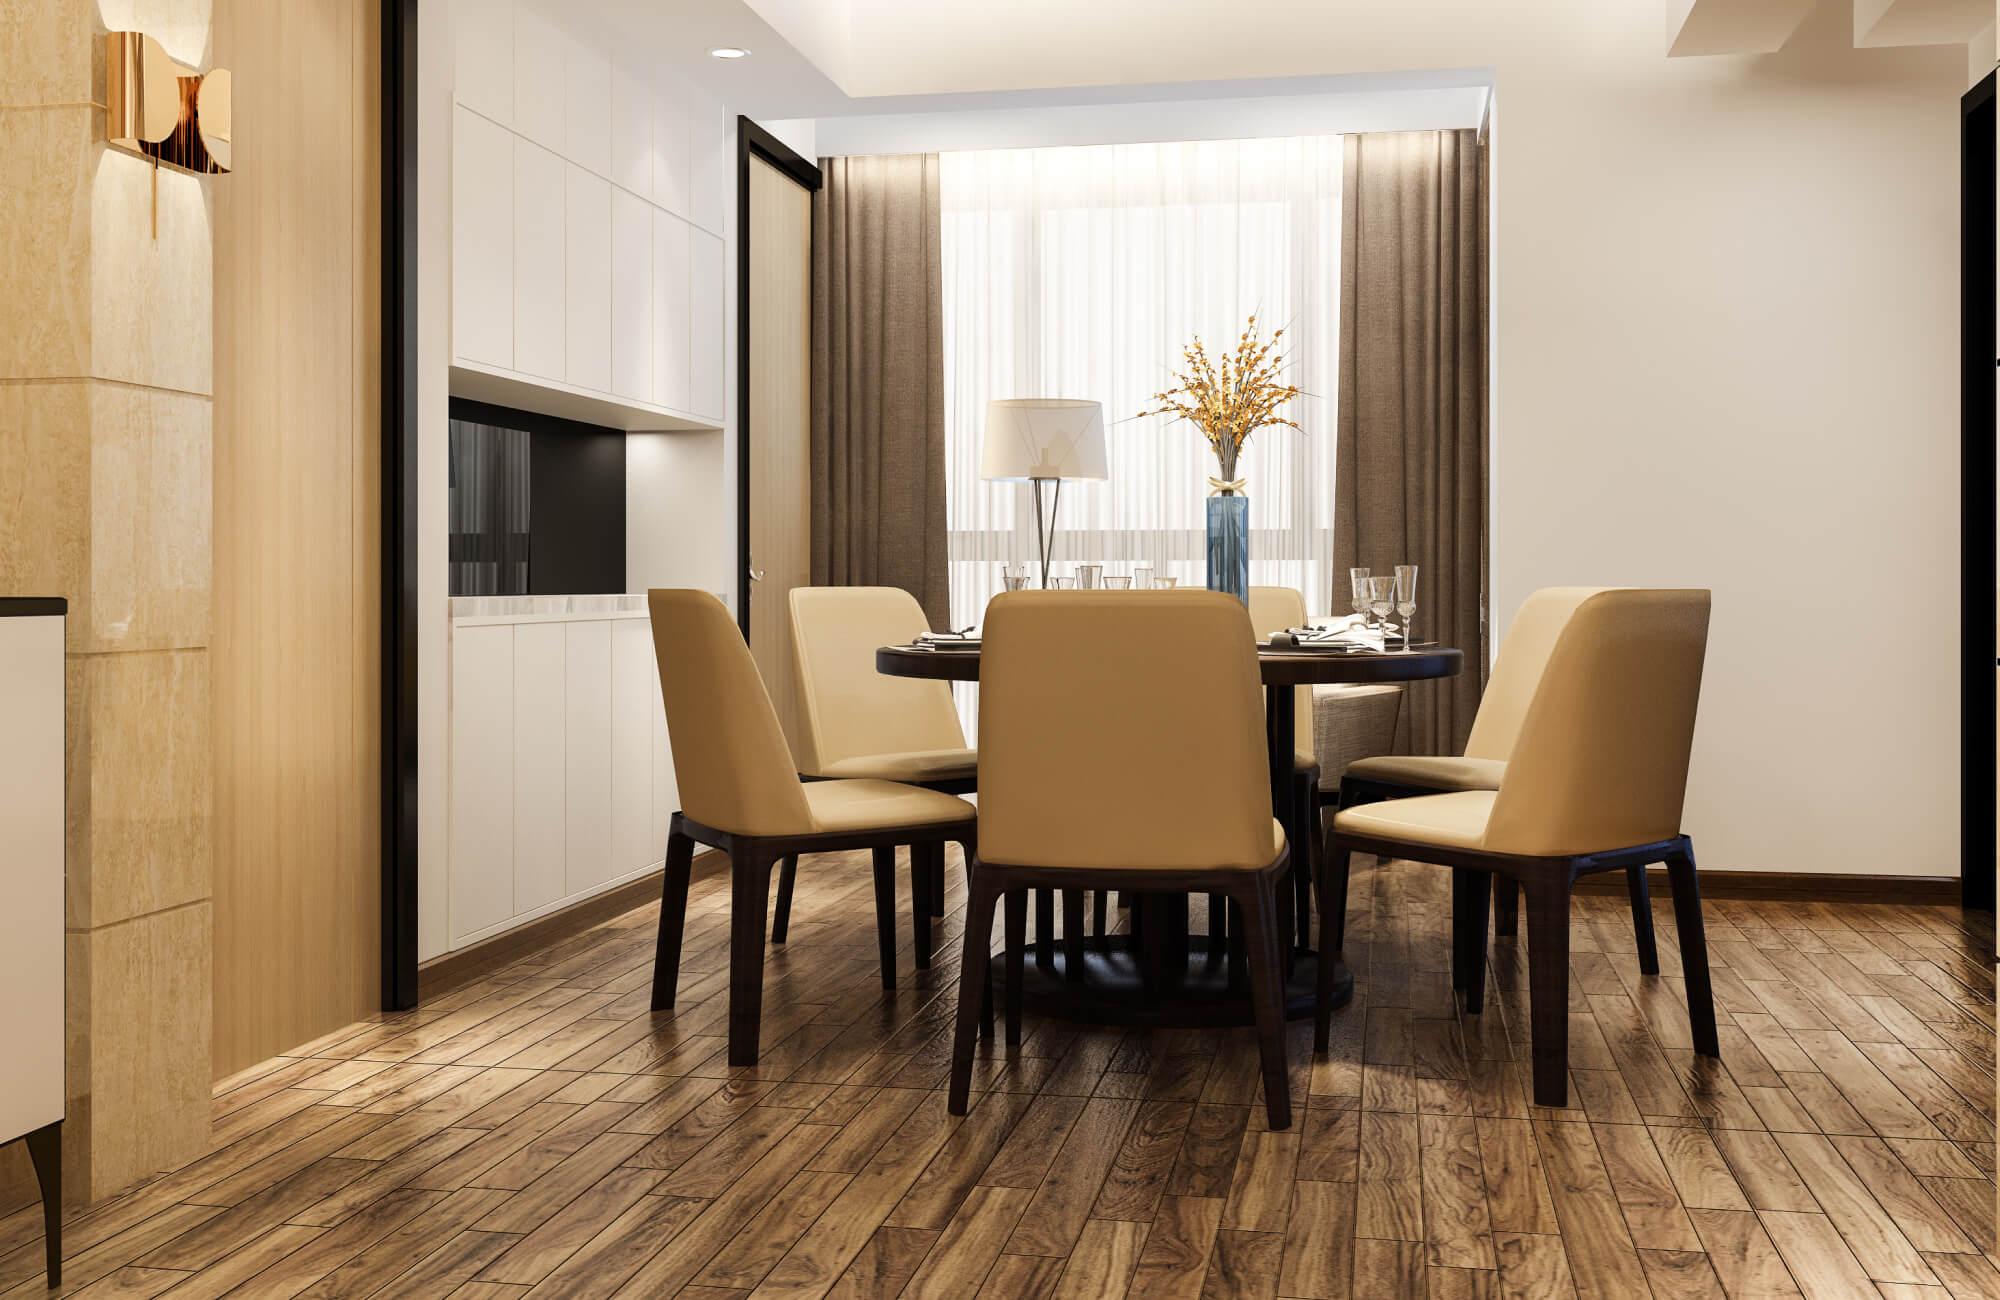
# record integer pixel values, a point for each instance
(482, 611)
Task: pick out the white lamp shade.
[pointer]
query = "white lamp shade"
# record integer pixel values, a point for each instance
(1043, 437)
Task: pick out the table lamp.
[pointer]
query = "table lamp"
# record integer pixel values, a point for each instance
(1043, 440)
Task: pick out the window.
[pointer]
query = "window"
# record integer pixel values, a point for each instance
(1084, 272)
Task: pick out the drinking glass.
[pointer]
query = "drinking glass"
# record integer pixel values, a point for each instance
(1382, 599)
(1162, 584)
(1089, 577)
(1062, 584)
(1117, 583)
(1406, 598)
(1142, 577)
(1358, 580)
(1015, 576)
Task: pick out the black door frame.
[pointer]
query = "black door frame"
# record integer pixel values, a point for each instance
(752, 141)
(400, 570)
(1977, 520)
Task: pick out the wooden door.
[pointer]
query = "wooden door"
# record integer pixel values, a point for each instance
(780, 366)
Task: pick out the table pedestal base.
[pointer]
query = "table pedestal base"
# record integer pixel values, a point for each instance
(1113, 991)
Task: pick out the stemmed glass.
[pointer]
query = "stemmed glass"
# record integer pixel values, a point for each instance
(1358, 580)
(1382, 600)
(1015, 576)
(1406, 598)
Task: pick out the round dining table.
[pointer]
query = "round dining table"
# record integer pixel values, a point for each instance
(1164, 974)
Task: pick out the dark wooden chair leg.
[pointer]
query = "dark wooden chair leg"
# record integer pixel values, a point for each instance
(1642, 918)
(1102, 928)
(45, 1150)
(1506, 906)
(1017, 942)
(1045, 929)
(749, 898)
(1262, 937)
(975, 994)
(1461, 897)
(1548, 986)
(922, 880)
(1304, 789)
(1332, 904)
(788, 870)
(1694, 951)
(1072, 935)
(673, 919)
(885, 912)
(1475, 942)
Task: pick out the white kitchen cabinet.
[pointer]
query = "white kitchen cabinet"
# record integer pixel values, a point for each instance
(483, 60)
(541, 69)
(482, 240)
(587, 318)
(587, 107)
(672, 182)
(708, 187)
(705, 329)
(539, 307)
(632, 346)
(562, 780)
(672, 357)
(587, 746)
(482, 780)
(541, 832)
(634, 110)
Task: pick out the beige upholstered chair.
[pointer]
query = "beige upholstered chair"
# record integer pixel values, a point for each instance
(740, 793)
(1595, 782)
(1523, 655)
(856, 722)
(1062, 803)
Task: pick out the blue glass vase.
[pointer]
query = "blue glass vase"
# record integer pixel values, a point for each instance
(1229, 545)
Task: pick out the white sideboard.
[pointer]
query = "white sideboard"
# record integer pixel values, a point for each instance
(562, 780)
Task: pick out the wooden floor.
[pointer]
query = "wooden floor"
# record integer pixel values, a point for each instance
(541, 1133)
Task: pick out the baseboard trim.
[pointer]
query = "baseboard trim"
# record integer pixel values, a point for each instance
(1794, 887)
(454, 970)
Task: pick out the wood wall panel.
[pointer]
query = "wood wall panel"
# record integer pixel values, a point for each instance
(297, 527)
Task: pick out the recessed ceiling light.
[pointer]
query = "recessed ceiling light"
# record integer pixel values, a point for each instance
(728, 52)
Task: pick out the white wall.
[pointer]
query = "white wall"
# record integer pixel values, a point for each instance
(1725, 353)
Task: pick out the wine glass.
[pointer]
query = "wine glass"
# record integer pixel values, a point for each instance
(1406, 598)
(1382, 600)
(1358, 579)
(1015, 576)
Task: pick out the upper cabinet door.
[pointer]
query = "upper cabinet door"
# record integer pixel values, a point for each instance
(588, 234)
(540, 308)
(587, 108)
(632, 346)
(705, 324)
(541, 69)
(670, 310)
(483, 67)
(706, 188)
(482, 240)
(633, 114)
(671, 183)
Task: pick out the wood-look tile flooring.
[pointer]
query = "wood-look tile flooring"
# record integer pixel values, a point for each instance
(541, 1133)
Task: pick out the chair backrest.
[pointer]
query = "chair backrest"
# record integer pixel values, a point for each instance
(1602, 758)
(1277, 609)
(846, 708)
(1121, 729)
(1524, 653)
(730, 758)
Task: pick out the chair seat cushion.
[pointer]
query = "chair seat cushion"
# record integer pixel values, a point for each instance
(1431, 773)
(880, 805)
(1453, 821)
(915, 765)
(1304, 760)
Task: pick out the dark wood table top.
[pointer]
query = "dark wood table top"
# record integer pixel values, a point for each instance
(1280, 667)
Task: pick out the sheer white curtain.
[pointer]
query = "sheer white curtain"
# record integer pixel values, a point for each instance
(1084, 272)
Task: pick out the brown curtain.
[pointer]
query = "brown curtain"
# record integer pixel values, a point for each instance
(878, 495)
(1410, 479)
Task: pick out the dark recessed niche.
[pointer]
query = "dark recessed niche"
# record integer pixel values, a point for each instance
(537, 504)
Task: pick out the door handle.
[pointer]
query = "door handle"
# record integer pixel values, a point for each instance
(756, 575)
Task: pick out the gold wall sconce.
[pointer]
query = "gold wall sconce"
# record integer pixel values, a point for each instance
(164, 110)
